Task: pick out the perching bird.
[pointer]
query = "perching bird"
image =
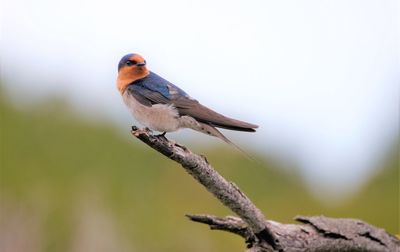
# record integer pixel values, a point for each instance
(160, 105)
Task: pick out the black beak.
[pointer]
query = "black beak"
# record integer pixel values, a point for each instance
(141, 63)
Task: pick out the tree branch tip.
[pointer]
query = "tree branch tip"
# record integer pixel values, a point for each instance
(138, 131)
(215, 220)
(192, 216)
(202, 218)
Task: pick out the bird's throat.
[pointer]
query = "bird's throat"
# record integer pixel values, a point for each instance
(127, 77)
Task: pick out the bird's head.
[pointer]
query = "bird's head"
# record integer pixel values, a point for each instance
(131, 67)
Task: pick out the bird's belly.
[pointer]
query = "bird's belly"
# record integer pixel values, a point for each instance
(159, 117)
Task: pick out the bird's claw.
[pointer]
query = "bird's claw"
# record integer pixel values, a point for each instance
(162, 135)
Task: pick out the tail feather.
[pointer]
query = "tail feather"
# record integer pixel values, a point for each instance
(210, 130)
(208, 116)
(234, 127)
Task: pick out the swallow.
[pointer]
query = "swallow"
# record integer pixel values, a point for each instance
(161, 106)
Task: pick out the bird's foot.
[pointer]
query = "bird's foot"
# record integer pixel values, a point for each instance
(162, 135)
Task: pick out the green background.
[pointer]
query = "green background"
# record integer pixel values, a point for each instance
(69, 184)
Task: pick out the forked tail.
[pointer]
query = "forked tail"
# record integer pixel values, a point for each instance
(210, 130)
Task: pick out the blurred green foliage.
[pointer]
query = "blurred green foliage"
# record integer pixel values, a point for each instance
(70, 175)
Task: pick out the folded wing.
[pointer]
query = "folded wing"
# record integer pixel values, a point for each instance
(203, 114)
(149, 93)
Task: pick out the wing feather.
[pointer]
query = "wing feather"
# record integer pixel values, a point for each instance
(156, 90)
(203, 114)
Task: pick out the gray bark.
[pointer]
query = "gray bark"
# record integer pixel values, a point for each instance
(316, 233)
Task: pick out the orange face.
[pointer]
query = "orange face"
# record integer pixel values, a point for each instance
(136, 58)
(132, 67)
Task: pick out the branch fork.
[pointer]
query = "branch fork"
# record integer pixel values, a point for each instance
(261, 235)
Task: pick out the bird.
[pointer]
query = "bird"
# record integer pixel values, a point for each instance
(164, 107)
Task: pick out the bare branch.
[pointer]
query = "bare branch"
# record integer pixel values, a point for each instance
(226, 192)
(315, 234)
(229, 223)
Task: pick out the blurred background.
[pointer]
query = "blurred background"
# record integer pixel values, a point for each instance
(321, 78)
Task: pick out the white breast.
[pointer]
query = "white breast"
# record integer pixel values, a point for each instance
(159, 117)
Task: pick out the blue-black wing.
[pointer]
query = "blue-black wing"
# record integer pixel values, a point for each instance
(155, 89)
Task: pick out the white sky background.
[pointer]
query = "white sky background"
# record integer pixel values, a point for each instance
(320, 77)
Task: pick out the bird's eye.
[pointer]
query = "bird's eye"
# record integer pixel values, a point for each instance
(130, 62)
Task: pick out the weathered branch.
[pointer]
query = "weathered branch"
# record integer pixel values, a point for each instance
(315, 234)
(318, 233)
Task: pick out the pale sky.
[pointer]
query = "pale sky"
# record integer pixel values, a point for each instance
(320, 77)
